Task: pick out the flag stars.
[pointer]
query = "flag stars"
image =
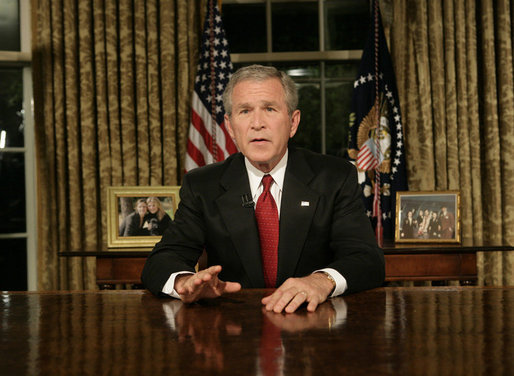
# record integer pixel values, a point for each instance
(397, 161)
(370, 77)
(362, 80)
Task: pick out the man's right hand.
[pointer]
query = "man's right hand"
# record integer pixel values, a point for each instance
(204, 284)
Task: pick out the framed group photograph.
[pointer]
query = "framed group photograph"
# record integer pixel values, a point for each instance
(428, 217)
(138, 216)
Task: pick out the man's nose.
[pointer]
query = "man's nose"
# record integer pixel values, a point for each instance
(257, 120)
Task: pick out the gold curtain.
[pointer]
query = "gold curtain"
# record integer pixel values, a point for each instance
(454, 66)
(112, 83)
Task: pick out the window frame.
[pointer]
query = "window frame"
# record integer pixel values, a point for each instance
(23, 59)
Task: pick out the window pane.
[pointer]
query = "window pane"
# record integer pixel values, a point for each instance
(347, 24)
(345, 70)
(339, 99)
(245, 27)
(13, 264)
(309, 132)
(12, 201)
(9, 25)
(11, 107)
(295, 26)
(302, 70)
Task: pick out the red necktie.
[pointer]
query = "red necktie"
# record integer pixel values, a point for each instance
(266, 214)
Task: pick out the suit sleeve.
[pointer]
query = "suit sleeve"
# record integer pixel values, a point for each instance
(181, 245)
(356, 254)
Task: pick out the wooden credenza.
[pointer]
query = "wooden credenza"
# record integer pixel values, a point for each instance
(403, 263)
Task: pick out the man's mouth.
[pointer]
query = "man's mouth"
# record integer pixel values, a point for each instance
(258, 140)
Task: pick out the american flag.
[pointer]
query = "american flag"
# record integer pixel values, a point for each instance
(376, 140)
(209, 140)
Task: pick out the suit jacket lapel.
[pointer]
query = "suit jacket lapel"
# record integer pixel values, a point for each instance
(296, 212)
(240, 221)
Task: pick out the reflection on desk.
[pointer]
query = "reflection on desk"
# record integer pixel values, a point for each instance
(408, 331)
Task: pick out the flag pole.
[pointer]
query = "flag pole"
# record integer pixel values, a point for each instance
(213, 82)
(377, 210)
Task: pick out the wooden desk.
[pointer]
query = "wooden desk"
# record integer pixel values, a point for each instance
(400, 331)
(403, 263)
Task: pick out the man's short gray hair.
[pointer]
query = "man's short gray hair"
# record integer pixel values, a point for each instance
(261, 73)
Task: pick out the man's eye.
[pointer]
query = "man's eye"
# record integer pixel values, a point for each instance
(270, 109)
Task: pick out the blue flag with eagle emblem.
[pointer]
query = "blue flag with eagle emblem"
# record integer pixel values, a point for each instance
(379, 151)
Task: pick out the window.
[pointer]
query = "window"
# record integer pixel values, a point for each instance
(17, 194)
(318, 43)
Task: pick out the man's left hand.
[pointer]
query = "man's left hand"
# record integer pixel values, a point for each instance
(313, 290)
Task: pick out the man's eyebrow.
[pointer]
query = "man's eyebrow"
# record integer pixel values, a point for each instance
(269, 103)
(243, 105)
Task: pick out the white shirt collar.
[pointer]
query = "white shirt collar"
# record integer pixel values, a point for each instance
(255, 175)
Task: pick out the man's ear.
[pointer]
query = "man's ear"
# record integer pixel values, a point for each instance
(295, 122)
(228, 125)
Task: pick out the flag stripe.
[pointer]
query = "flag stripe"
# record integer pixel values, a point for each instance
(195, 155)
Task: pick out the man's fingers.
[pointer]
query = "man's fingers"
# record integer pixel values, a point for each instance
(232, 287)
(205, 284)
(296, 302)
(279, 300)
(270, 300)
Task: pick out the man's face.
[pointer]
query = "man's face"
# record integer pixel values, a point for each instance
(260, 124)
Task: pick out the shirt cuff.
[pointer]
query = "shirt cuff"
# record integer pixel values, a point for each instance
(341, 284)
(169, 286)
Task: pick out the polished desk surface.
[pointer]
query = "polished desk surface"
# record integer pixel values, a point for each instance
(397, 331)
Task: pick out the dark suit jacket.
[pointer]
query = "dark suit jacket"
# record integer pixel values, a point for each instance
(322, 224)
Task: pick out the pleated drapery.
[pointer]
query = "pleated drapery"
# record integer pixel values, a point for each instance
(454, 66)
(112, 84)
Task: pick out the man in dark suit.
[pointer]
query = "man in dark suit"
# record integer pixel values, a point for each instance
(325, 244)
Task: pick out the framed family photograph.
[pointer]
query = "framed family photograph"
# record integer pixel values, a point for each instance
(428, 217)
(138, 216)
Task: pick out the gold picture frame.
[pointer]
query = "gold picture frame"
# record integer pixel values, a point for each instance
(442, 208)
(129, 225)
